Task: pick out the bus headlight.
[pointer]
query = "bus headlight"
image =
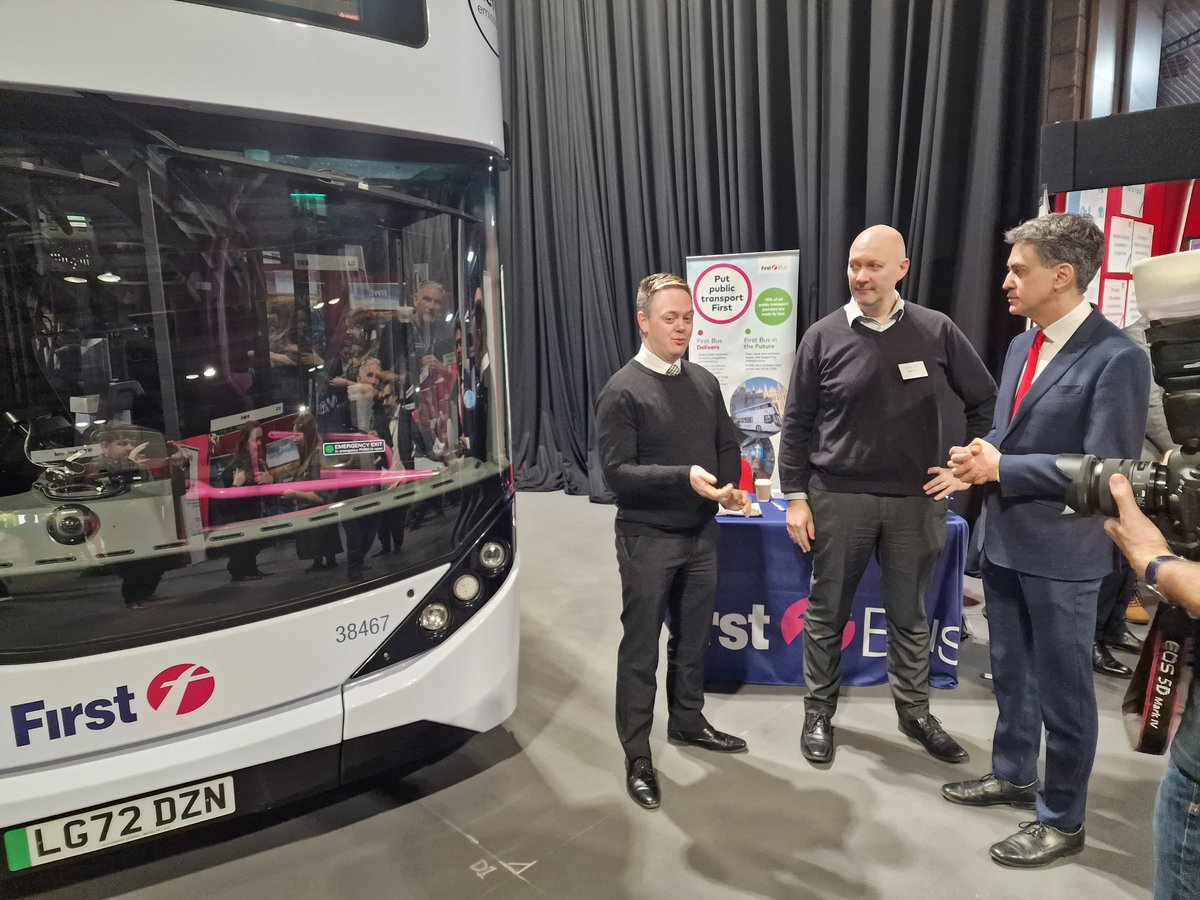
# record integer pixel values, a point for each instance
(492, 556)
(467, 588)
(72, 524)
(434, 617)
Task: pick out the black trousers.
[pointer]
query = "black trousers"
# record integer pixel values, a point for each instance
(661, 570)
(360, 538)
(1116, 590)
(907, 533)
(243, 558)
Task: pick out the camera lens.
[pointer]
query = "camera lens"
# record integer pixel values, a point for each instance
(1089, 493)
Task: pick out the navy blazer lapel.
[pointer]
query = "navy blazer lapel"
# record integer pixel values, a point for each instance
(1059, 366)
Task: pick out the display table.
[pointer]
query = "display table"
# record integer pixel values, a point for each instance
(762, 593)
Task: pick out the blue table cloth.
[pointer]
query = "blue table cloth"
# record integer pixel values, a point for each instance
(762, 593)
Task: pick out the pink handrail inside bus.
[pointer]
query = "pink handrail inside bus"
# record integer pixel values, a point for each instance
(347, 478)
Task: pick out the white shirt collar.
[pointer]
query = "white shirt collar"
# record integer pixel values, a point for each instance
(654, 363)
(854, 313)
(1060, 332)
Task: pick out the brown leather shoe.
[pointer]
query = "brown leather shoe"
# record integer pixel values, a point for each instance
(1135, 613)
(991, 791)
(1037, 844)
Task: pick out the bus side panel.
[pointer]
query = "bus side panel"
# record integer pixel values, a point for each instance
(186, 54)
(469, 682)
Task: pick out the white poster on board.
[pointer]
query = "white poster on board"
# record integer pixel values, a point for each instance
(1120, 246)
(1133, 200)
(1112, 302)
(745, 334)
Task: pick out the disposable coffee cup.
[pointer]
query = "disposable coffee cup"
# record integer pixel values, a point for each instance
(762, 489)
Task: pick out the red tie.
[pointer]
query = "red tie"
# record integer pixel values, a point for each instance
(1031, 362)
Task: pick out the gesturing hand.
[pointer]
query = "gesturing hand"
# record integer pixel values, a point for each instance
(704, 483)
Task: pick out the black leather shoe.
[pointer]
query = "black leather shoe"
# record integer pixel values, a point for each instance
(1037, 844)
(816, 743)
(1128, 642)
(928, 732)
(991, 791)
(641, 783)
(1106, 664)
(708, 739)
(237, 578)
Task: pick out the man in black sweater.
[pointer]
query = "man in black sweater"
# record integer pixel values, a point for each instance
(666, 443)
(861, 438)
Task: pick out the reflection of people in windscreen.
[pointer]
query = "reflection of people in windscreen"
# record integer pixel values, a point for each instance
(133, 450)
(474, 377)
(247, 469)
(417, 354)
(323, 543)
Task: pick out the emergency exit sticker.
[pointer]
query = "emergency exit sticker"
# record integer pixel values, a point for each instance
(343, 448)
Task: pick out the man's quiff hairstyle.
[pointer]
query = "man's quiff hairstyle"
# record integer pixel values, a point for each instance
(1063, 238)
(651, 284)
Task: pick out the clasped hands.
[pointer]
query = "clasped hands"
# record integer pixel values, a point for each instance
(976, 463)
(704, 483)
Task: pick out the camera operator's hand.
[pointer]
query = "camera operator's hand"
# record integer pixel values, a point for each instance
(1133, 533)
(1140, 540)
(976, 463)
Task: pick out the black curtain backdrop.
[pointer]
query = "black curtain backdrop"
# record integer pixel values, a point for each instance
(645, 131)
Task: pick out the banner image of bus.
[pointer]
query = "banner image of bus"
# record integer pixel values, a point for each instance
(256, 527)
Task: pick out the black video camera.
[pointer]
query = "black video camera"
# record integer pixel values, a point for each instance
(1168, 289)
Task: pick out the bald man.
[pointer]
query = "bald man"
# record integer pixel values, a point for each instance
(859, 462)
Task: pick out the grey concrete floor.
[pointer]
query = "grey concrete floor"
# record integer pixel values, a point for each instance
(537, 808)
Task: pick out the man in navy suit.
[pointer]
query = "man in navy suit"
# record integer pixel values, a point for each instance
(1073, 384)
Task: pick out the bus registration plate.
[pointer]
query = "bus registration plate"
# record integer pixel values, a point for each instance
(129, 820)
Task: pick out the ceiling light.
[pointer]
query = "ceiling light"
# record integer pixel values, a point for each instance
(192, 377)
(335, 300)
(108, 278)
(74, 279)
(209, 371)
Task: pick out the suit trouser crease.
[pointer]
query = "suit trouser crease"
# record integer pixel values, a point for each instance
(907, 534)
(661, 571)
(1041, 638)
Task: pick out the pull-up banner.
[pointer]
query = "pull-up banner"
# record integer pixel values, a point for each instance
(745, 334)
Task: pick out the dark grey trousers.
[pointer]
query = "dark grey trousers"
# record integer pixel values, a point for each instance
(661, 570)
(908, 534)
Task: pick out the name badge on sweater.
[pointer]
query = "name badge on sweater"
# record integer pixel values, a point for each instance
(909, 371)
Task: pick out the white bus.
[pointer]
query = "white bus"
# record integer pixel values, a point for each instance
(758, 418)
(256, 532)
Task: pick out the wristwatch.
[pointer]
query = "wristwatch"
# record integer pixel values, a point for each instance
(1150, 579)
